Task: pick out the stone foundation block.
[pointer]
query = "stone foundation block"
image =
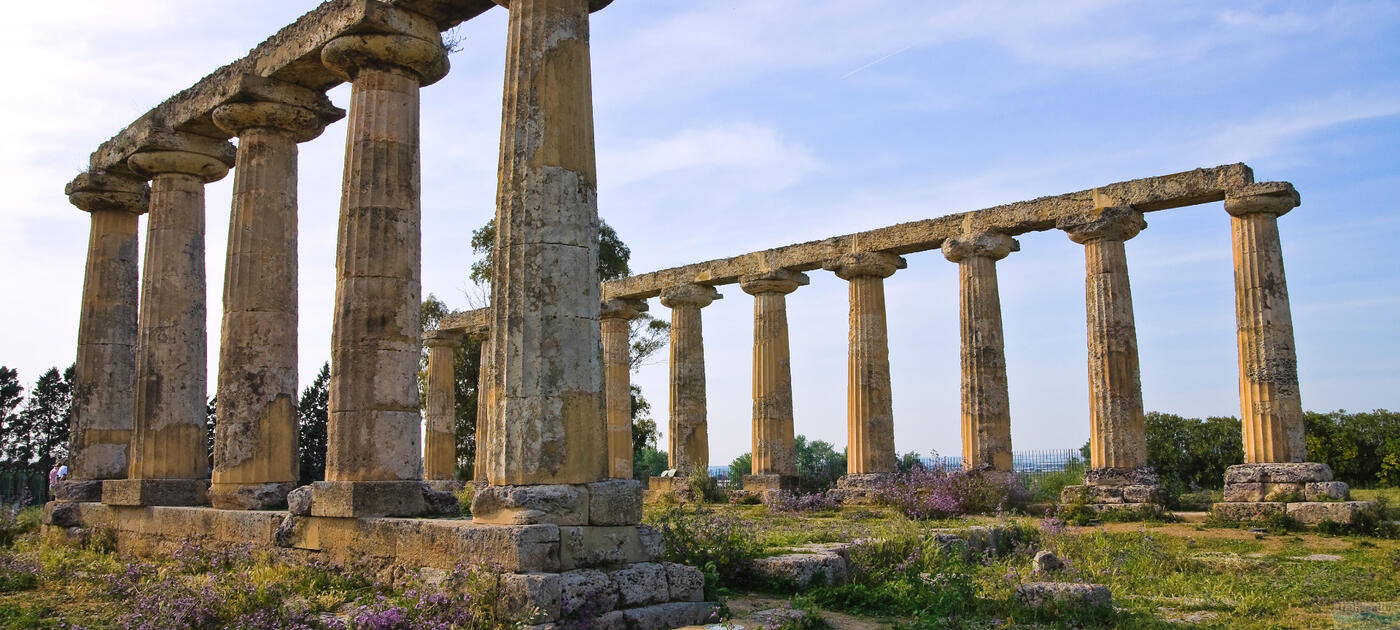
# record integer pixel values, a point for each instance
(586, 593)
(686, 583)
(1052, 594)
(1246, 511)
(802, 570)
(615, 502)
(89, 491)
(1313, 514)
(584, 547)
(136, 492)
(522, 593)
(357, 499)
(1144, 494)
(672, 615)
(1137, 509)
(299, 501)
(438, 502)
(444, 485)
(1257, 491)
(760, 483)
(63, 514)
(261, 496)
(558, 504)
(641, 584)
(1325, 491)
(1140, 476)
(1295, 472)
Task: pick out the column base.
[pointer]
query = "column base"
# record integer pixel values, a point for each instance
(609, 503)
(445, 485)
(175, 492)
(358, 499)
(85, 491)
(770, 481)
(863, 487)
(1303, 491)
(250, 496)
(1107, 476)
(1125, 487)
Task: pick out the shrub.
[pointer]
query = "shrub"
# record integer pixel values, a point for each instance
(718, 543)
(933, 492)
(17, 520)
(784, 501)
(1046, 487)
(17, 574)
(902, 573)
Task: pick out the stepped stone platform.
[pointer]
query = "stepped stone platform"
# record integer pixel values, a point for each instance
(541, 566)
(1304, 491)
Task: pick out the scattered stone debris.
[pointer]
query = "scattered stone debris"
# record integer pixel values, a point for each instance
(1046, 562)
(1044, 594)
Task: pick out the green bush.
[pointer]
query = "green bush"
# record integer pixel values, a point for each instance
(718, 543)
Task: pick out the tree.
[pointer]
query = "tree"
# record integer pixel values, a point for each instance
(1191, 453)
(313, 413)
(211, 417)
(612, 253)
(46, 414)
(818, 464)
(12, 429)
(742, 465)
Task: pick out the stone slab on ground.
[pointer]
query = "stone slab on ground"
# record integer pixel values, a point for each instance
(1044, 594)
(807, 566)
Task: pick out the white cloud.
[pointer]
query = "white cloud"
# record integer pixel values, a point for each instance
(755, 155)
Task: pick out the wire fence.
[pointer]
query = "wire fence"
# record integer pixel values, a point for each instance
(1030, 465)
(23, 485)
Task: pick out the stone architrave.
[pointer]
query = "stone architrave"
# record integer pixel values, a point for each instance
(869, 404)
(688, 434)
(616, 316)
(1269, 397)
(774, 458)
(169, 461)
(547, 430)
(1117, 434)
(440, 434)
(255, 439)
(986, 405)
(100, 427)
(374, 453)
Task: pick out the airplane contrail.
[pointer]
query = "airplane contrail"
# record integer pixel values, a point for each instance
(876, 61)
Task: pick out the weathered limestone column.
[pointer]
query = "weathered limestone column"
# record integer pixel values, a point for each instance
(616, 318)
(255, 439)
(484, 403)
(869, 406)
(1117, 434)
(169, 455)
(1269, 400)
(986, 404)
(546, 454)
(688, 435)
(774, 458)
(100, 427)
(374, 451)
(440, 438)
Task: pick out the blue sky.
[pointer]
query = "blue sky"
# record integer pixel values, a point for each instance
(729, 126)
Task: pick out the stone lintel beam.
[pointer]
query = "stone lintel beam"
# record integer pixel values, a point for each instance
(290, 57)
(474, 323)
(1145, 195)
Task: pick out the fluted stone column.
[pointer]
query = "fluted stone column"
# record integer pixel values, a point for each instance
(1117, 433)
(986, 403)
(169, 454)
(440, 436)
(616, 318)
(255, 439)
(774, 458)
(688, 434)
(484, 403)
(547, 437)
(374, 452)
(869, 405)
(100, 427)
(1269, 398)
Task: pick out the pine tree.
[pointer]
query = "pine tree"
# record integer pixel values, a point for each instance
(46, 415)
(13, 431)
(313, 412)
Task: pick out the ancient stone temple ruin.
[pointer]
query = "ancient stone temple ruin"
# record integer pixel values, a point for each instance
(555, 506)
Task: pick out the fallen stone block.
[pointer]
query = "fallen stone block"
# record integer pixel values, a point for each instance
(1312, 513)
(1063, 594)
(803, 569)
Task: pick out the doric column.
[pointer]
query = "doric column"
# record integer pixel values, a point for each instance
(255, 439)
(774, 458)
(100, 427)
(616, 318)
(869, 406)
(373, 451)
(986, 405)
(169, 454)
(688, 435)
(484, 403)
(1269, 399)
(440, 436)
(1117, 435)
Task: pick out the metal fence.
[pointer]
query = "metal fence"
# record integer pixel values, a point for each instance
(1029, 465)
(23, 484)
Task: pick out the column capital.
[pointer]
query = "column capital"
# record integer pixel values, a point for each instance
(621, 308)
(782, 281)
(1115, 223)
(346, 55)
(993, 245)
(303, 124)
(860, 264)
(696, 295)
(152, 163)
(1275, 198)
(436, 338)
(593, 5)
(96, 191)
